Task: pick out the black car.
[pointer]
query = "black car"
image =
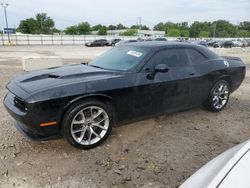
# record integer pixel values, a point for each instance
(223, 44)
(100, 42)
(160, 39)
(130, 82)
(113, 42)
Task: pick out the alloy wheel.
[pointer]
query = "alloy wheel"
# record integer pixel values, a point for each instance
(90, 125)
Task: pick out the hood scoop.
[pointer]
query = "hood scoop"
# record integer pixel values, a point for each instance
(40, 77)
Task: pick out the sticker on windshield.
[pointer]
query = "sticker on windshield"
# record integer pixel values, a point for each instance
(134, 53)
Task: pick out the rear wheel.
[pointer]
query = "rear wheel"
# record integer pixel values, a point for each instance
(219, 96)
(87, 124)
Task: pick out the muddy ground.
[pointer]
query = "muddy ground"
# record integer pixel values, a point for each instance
(158, 152)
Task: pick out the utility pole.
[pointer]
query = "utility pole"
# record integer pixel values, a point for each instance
(140, 26)
(5, 5)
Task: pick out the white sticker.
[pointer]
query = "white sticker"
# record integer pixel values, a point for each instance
(226, 63)
(134, 53)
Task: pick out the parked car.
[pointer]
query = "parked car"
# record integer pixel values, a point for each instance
(125, 42)
(113, 42)
(223, 44)
(228, 170)
(160, 39)
(100, 42)
(211, 43)
(129, 82)
(238, 43)
(199, 42)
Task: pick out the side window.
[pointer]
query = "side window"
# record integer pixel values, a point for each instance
(171, 57)
(195, 57)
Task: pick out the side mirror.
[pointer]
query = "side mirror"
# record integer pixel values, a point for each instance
(161, 68)
(158, 68)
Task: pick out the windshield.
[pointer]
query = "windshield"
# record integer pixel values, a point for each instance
(120, 58)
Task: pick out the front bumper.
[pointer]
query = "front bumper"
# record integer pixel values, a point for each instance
(34, 136)
(29, 122)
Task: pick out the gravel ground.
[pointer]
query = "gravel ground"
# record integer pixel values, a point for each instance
(158, 152)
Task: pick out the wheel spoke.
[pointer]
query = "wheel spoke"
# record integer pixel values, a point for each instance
(90, 135)
(97, 135)
(100, 126)
(99, 112)
(82, 134)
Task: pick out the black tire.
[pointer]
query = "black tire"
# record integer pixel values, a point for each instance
(210, 103)
(71, 113)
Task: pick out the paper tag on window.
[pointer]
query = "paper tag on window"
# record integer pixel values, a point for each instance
(134, 53)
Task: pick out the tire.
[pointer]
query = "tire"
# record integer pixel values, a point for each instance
(83, 128)
(218, 97)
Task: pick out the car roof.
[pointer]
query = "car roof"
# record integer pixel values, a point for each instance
(159, 44)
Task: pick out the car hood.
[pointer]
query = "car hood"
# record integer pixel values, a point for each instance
(41, 80)
(211, 174)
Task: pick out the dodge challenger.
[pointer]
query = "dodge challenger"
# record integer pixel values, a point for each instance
(82, 102)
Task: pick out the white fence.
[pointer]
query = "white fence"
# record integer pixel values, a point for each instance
(53, 39)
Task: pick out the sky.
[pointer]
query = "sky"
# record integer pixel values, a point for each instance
(127, 12)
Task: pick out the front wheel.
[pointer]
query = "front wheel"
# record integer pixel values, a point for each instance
(87, 124)
(219, 96)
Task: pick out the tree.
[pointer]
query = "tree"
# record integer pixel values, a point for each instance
(204, 34)
(184, 33)
(120, 26)
(143, 27)
(41, 24)
(173, 32)
(245, 25)
(129, 32)
(97, 27)
(160, 27)
(224, 29)
(45, 23)
(28, 26)
(72, 30)
(243, 33)
(199, 27)
(83, 28)
(102, 30)
(112, 27)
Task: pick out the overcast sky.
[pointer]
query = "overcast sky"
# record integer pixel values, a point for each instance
(70, 12)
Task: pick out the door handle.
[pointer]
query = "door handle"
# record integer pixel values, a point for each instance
(191, 73)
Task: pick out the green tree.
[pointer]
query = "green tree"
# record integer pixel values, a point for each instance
(83, 28)
(224, 29)
(102, 30)
(143, 27)
(173, 33)
(120, 26)
(243, 33)
(184, 33)
(41, 24)
(28, 26)
(160, 27)
(72, 30)
(112, 27)
(245, 25)
(129, 32)
(197, 27)
(45, 23)
(97, 27)
(204, 34)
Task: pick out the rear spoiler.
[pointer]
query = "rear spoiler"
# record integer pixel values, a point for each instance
(231, 58)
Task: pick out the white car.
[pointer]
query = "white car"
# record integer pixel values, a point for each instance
(230, 169)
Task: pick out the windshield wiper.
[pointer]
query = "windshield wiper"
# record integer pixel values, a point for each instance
(96, 66)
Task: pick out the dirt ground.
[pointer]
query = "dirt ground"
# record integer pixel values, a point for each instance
(158, 152)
